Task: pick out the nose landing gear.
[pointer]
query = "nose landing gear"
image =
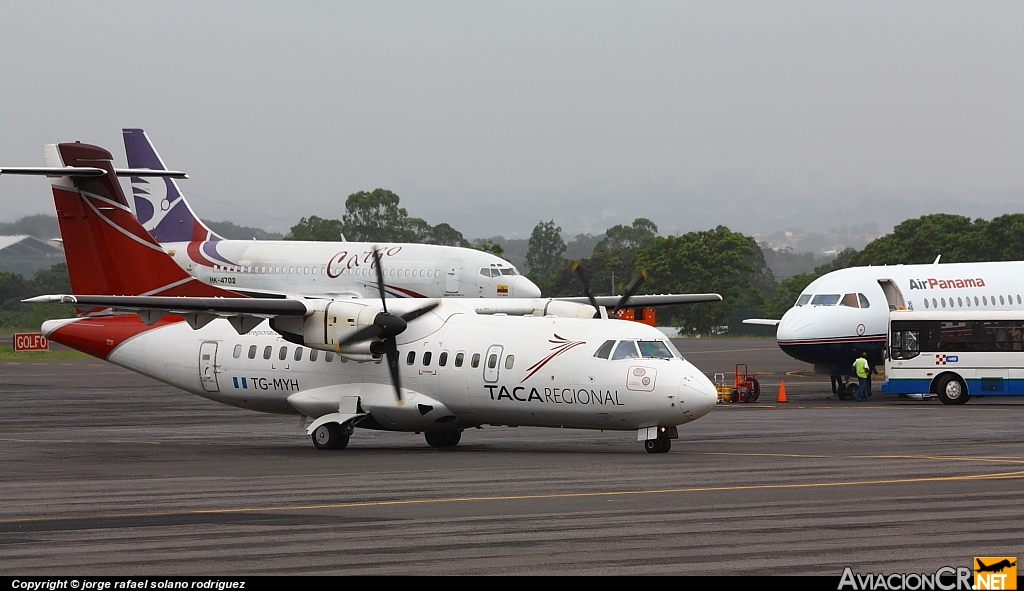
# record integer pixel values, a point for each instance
(658, 446)
(443, 438)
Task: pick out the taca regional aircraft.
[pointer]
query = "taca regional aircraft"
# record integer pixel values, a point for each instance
(448, 367)
(326, 268)
(844, 312)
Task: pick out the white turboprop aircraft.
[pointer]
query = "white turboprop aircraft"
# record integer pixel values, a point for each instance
(336, 269)
(449, 367)
(845, 312)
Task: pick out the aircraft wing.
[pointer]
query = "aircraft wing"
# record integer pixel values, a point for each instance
(649, 301)
(762, 321)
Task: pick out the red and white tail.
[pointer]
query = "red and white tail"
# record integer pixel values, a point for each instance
(107, 250)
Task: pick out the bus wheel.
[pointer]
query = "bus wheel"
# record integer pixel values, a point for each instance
(952, 390)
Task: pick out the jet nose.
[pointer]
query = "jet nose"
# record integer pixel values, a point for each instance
(522, 287)
(697, 394)
(794, 322)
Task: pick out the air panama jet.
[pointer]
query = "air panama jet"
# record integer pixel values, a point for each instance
(311, 268)
(845, 312)
(448, 366)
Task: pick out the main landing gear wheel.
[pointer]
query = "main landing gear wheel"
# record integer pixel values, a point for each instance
(330, 436)
(847, 391)
(443, 438)
(658, 446)
(952, 390)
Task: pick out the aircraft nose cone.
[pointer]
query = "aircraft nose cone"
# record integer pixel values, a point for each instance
(522, 287)
(698, 394)
(793, 323)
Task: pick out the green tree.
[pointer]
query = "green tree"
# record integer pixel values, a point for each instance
(546, 248)
(376, 217)
(445, 235)
(719, 261)
(786, 294)
(316, 228)
(491, 247)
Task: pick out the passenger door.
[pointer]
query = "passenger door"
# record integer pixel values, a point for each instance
(451, 279)
(208, 366)
(492, 363)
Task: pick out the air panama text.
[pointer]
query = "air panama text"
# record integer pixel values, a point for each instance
(556, 395)
(932, 283)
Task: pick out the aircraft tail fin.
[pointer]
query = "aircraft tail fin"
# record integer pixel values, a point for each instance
(108, 252)
(158, 203)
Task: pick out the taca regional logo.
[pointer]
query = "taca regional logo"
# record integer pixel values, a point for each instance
(989, 573)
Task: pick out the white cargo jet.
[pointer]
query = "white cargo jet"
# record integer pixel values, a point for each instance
(449, 367)
(336, 269)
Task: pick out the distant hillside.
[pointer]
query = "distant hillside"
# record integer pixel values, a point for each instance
(233, 231)
(41, 226)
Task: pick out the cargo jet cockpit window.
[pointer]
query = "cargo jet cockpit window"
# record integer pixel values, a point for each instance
(825, 299)
(803, 299)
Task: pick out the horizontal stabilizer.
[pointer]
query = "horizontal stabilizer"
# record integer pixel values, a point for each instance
(70, 171)
(650, 301)
(146, 172)
(89, 171)
(762, 321)
(182, 305)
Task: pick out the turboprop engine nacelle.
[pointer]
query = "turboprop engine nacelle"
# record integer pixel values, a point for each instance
(328, 324)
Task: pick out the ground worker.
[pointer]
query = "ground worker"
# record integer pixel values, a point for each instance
(863, 371)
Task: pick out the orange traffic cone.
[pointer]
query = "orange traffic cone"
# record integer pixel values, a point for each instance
(782, 392)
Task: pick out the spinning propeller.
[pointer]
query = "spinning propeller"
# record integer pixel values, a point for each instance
(631, 289)
(386, 326)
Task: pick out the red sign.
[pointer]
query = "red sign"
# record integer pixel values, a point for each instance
(31, 341)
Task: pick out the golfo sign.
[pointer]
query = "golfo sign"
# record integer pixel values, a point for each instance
(31, 341)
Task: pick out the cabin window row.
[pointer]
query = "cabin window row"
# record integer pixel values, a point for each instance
(426, 359)
(459, 361)
(965, 302)
(335, 271)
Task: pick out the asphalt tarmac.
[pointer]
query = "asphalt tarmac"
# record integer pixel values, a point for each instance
(105, 472)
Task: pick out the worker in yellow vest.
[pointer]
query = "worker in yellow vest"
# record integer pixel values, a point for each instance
(863, 373)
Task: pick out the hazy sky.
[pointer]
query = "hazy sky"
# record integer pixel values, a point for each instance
(494, 115)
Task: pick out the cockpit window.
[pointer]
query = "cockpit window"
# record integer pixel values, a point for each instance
(803, 299)
(625, 350)
(655, 349)
(485, 272)
(495, 273)
(864, 301)
(849, 300)
(825, 299)
(508, 271)
(604, 350)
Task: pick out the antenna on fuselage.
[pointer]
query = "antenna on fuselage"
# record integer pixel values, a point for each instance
(937, 260)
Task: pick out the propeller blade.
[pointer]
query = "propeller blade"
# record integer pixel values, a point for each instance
(380, 278)
(409, 316)
(392, 355)
(586, 286)
(630, 290)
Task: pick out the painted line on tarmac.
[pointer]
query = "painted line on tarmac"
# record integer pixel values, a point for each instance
(361, 504)
(995, 459)
(16, 440)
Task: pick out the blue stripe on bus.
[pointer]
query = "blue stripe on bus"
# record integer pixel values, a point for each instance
(1007, 387)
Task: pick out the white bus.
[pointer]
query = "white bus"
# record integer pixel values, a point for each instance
(955, 354)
